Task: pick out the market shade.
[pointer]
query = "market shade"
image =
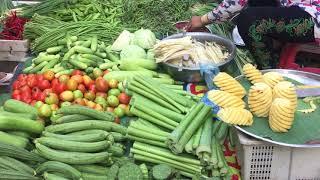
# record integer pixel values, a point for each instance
(306, 127)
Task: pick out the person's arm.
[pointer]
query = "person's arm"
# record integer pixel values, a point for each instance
(226, 10)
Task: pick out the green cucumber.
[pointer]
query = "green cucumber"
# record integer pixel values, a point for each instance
(13, 140)
(55, 166)
(20, 134)
(20, 124)
(42, 58)
(72, 157)
(64, 72)
(16, 165)
(28, 69)
(73, 146)
(74, 109)
(14, 175)
(54, 50)
(101, 54)
(108, 65)
(38, 67)
(116, 151)
(49, 176)
(92, 57)
(19, 153)
(86, 125)
(25, 115)
(16, 106)
(91, 168)
(49, 65)
(90, 176)
(88, 62)
(94, 43)
(83, 50)
(80, 138)
(78, 64)
(70, 118)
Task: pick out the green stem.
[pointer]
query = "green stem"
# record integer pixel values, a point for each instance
(214, 153)
(148, 129)
(147, 123)
(196, 140)
(205, 140)
(156, 143)
(145, 134)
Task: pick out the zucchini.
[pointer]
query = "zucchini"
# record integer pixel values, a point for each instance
(14, 175)
(80, 138)
(73, 146)
(75, 109)
(21, 124)
(16, 165)
(55, 166)
(16, 106)
(70, 118)
(71, 157)
(19, 153)
(91, 168)
(86, 125)
(13, 140)
(49, 176)
(89, 176)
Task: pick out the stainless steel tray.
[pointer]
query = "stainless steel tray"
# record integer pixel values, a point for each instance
(301, 77)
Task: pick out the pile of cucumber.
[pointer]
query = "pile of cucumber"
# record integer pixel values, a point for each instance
(82, 140)
(18, 123)
(71, 54)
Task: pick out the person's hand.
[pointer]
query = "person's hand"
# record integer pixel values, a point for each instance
(197, 22)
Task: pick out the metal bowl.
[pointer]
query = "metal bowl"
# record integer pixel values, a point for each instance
(192, 74)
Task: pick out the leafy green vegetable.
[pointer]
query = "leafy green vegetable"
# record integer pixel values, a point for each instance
(122, 41)
(144, 38)
(132, 51)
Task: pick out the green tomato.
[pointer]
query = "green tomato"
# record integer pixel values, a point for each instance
(113, 101)
(38, 104)
(119, 112)
(114, 92)
(64, 104)
(44, 110)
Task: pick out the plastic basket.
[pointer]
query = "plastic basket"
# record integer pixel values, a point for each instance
(264, 161)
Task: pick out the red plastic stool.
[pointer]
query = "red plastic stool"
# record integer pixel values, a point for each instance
(288, 57)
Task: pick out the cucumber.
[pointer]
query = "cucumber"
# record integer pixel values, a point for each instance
(25, 115)
(78, 64)
(19, 153)
(21, 124)
(19, 133)
(16, 106)
(42, 58)
(55, 166)
(49, 65)
(90, 131)
(16, 165)
(54, 50)
(101, 54)
(92, 57)
(94, 43)
(88, 62)
(79, 138)
(91, 168)
(49, 176)
(13, 140)
(70, 118)
(71, 157)
(75, 109)
(116, 151)
(73, 146)
(86, 125)
(14, 175)
(89, 176)
(83, 50)
(107, 65)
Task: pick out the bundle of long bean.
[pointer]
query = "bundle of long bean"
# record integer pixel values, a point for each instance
(158, 16)
(187, 127)
(188, 165)
(105, 32)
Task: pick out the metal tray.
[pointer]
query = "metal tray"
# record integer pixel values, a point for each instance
(301, 77)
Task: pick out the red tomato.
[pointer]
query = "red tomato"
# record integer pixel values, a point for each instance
(124, 98)
(54, 82)
(26, 99)
(92, 88)
(59, 88)
(25, 94)
(41, 97)
(23, 82)
(48, 75)
(22, 77)
(15, 92)
(105, 72)
(44, 84)
(82, 88)
(76, 72)
(101, 85)
(39, 77)
(31, 81)
(16, 85)
(26, 89)
(16, 97)
(47, 91)
(35, 93)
